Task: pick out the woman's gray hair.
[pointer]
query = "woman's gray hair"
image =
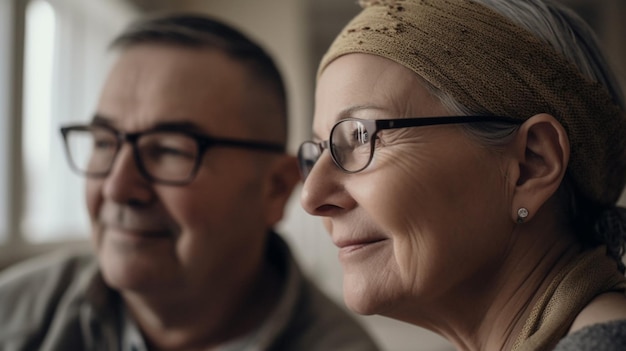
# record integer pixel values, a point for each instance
(569, 35)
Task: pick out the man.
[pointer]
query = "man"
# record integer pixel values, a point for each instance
(186, 176)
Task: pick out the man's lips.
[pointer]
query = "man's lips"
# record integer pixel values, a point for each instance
(139, 232)
(150, 221)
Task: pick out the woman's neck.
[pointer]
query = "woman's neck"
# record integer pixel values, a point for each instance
(488, 311)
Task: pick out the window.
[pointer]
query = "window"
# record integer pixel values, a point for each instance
(6, 26)
(39, 48)
(64, 62)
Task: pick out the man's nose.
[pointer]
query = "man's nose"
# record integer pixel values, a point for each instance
(125, 183)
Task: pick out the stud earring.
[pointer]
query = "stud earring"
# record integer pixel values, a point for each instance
(522, 213)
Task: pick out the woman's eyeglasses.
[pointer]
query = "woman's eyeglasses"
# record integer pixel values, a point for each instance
(352, 140)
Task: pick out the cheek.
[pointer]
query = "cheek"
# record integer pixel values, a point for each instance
(404, 186)
(429, 202)
(204, 207)
(188, 210)
(395, 206)
(93, 197)
(424, 185)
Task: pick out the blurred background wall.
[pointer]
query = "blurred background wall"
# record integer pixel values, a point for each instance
(53, 60)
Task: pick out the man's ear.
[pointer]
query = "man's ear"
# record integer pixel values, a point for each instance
(283, 176)
(541, 154)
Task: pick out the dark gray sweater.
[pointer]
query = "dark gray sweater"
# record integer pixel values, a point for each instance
(610, 336)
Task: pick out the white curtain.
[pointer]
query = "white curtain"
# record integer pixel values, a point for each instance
(65, 65)
(6, 24)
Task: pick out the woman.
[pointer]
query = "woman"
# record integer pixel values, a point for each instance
(467, 162)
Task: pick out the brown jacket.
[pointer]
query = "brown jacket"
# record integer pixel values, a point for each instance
(60, 303)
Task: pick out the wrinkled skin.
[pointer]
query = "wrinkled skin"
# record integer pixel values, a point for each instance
(409, 227)
(179, 241)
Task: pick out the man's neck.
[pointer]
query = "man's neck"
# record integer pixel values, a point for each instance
(205, 318)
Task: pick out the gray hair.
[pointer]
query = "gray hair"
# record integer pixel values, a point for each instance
(569, 35)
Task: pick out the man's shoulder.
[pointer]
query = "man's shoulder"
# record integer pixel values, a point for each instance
(32, 289)
(316, 321)
(45, 269)
(326, 325)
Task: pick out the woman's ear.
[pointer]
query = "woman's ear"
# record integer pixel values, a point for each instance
(283, 176)
(542, 151)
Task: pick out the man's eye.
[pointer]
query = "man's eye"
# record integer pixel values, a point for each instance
(103, 144)
(164, 151)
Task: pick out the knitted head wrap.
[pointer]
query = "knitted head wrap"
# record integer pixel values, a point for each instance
(493, 66)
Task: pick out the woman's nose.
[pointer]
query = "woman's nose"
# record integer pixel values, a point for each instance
(323, 192)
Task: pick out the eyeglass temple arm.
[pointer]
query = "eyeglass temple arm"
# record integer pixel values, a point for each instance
(426, 121)
(256, 145)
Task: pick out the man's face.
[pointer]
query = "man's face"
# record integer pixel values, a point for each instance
(150, 236)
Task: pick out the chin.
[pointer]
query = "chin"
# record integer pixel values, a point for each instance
(360, 308)
(130, 273)
(363, 298)
(120, 276)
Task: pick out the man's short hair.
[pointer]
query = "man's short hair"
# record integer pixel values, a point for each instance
(202, 31)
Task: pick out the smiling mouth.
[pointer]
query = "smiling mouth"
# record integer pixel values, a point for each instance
(142, 233)
(356, 245)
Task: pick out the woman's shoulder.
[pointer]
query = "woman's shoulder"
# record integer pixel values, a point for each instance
(604, 308)
(601, 325)
(606, 336)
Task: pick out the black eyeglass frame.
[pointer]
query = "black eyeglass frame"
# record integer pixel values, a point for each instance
(382, 124)
(203, 141)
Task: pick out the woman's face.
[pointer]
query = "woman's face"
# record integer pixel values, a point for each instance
(425, 220)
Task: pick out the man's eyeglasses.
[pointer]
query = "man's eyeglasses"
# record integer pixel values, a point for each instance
(352, 140)
(162, 155)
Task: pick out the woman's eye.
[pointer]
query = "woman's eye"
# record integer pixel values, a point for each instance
(103, 144)
(361, 136)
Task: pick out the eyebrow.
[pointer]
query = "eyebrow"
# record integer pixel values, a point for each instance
(349, 112)
(99, 120)
(102, 120)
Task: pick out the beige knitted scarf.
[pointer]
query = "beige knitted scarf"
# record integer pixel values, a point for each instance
(492, 66)
(589, 275)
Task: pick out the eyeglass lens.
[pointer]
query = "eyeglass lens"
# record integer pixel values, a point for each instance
(350, 147)
(92, 150)
(166, 156)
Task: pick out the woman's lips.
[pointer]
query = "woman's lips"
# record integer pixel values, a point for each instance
(349, 246)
